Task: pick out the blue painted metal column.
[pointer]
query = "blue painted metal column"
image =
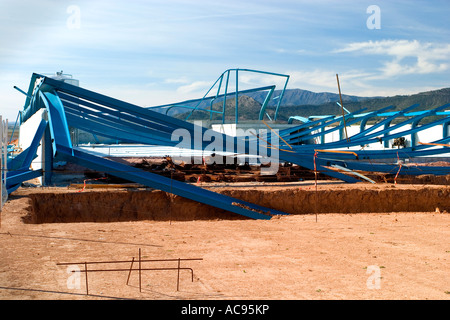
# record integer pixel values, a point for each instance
(280, 98)
(225, 97)
(445, 129)
(48, 158)
(265, 103)
(237, 96)
(386, 141)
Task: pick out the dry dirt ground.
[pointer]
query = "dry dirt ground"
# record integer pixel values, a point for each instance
(335, 255)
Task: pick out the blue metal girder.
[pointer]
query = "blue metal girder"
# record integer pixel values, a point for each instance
(391, 168)
(391, 116)
(15, 178)
(168, 185)
(113, 128)
(65, 151)
(364, 117)
(308, 131)
(419, 151)
(362, 136)
(323, 131)
(286, 132)
(167, 123)
(57, 119)
(19, 167)
(370, 138)
(236, 93)
(184, 104)
(108, 113)
(24, 159)
(88, 109)
(307, 161)
(373, 138)
(104, 129)
(298, 118)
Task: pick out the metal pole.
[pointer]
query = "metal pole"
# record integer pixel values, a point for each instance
(1, 169)
(140, 286)
(178, 276)
(86, 271)
(3, 160)
(342, 107)
(237, 96)
(315, 176)
(129, 274)
(225, 97)
(280, 98)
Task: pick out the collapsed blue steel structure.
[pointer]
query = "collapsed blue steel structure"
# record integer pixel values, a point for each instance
(72, 106)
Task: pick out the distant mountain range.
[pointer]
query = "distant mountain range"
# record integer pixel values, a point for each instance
(298, 97)
(426, 100)
(307, 103)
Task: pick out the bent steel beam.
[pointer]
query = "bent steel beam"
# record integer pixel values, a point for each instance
(182, 189)
(64, 149)
(20, 167)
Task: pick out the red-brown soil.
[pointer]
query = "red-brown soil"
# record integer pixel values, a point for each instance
(327, 248)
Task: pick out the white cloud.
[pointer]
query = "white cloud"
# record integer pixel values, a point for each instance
(325, 80)
(426, 57)
(180, 80)
(196, 86)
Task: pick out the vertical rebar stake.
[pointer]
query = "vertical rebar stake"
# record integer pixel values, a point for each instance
(140, 287)
(131, 267)
(315, 183)
(178, 277)
(86, 272)
(342, 107)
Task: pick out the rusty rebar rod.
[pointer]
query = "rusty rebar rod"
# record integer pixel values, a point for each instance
(139, 269)
(87, 287)
(178, 275)
(129, 274)
(127, 261)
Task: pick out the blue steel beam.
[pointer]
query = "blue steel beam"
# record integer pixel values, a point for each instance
(166, 123)
(19, 167)
(321, 125)
(420, 151)
(65, 151)
(182, 189)
(24, 159)
(386, 121)
(380, 113)
(390, 168)
(103, 128)
(374, 137)
(98, 122)
(57, 119)
(323, 131)
(91, 108)
(184, 104)
(302, 155)
(236, 93)
(358, 117)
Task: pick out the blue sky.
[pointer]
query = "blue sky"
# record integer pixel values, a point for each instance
(157, 52)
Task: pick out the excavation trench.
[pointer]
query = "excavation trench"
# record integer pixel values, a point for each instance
(136, 205)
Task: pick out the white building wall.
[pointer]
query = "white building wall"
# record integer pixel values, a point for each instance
(26, 134)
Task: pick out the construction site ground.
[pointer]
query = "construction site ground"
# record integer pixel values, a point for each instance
(335, 244)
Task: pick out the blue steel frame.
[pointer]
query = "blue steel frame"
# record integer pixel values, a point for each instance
(220, 82)
(19, 167)
(70, 105)
(66, 104)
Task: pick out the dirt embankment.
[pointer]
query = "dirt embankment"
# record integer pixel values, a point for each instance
(119, 205)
